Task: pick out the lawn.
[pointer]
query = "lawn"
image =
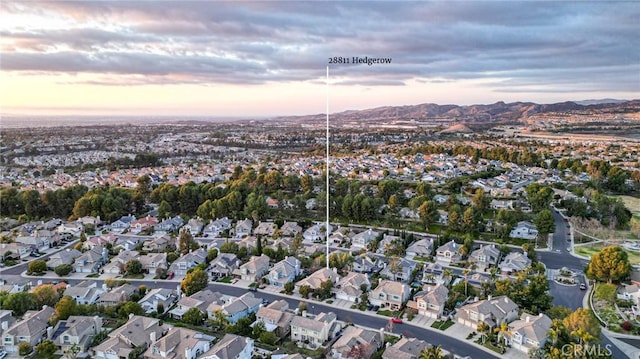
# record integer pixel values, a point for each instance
(589, 250)
(389, 313)
(134, 276)
(442, 325)
(226, 279)
(632, 203)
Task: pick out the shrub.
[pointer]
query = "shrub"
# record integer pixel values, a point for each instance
(626, 325)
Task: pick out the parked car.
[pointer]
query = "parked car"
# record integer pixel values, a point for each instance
(583, 286)
(253, 289)
(396, 320)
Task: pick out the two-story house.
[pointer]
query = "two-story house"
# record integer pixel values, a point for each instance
(143, 224)
(405, 348)
(122, 224)
(399, 269)
(179, 343)
(180, 266)
(431, 301)
(76, 330)
(66, 256)
(31, 329)
(362, 239)
(241, 307)
(314, 331)
(528, 333)
(243, 228)
(231, 346)
(92, 260)
(449, 253)
(194, 226)
(514, 262)
(255, 268)
(484, 257)
(315, 280)
(276, 318)
(492, 311)
(158, 298)
(290, 229)
(284, 272)
(369, 341)
(85, 292)
(265, 229)
(223, 266)
(350, 286)
(420, 248)
(169, 224)
(390, 295)
(201, 300)
(524, 230)
(217, 227)
(138, 331)
(117, 295)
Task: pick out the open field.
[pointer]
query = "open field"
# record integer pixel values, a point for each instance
(632, 203)
(589, 250)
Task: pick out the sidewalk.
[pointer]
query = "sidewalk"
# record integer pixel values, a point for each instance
(631, 351)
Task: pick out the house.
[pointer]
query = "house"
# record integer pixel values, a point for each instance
(157, 244)
(405, 348)
(528, 333)
(201, 300)
(315, 280)
(143, 224)
(349, 287)
(420, 248)
(169, 225)
(14, 250)
(368, 340)
(194, 226)
(71, 228)
(179, 343)
(158, 298)
(484, 257)
(117, 264)
(63, 257)
(243, 228)
(361, 240)
(310, 203)
(89, 220)
(449, 253)
(180, 266)
(6, 320)
(514, 262)
(255, 268)
(314, 331)
(138, 331)
(241, 307)
(91, 260)
(440, 199)
(630, 292)
(434, 273)
(122, 224)
(284, 272)
(76, 330)
(316, 233)
(231, 346)
(31, 329)
(85, 292)
(524, 230)
(430, 302)
(151, 262)
(266, 229)
(443, 217)
(35, 243)
(128, 242)
(366, 264)
(492, 311)
(215, 228)
(276, 318)
(290, 229)
(117, 295)
(223, 266)
(399, 269)
(390, 295)
(387, 242)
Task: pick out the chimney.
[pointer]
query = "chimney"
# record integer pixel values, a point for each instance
(4, 325)
(528, 319)
(152, 336)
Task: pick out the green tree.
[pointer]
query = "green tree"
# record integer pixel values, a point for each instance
(432, 353)
(428, 213)
(63, 269)
(164, 210)
(539, 196)
(305, 290)
(46, 294)
(269, 338)
(544, 222)
(24, 349)
(582, 325)
(37, 267)
(258, 329)
(289, 287)
(127, 308)
(133, 266)
(195, 281)
(193, 316)
(186, 243)
(19, 303)
(66, 307)
(46, 349)
(611, 264)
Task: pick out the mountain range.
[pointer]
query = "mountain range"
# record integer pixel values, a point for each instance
(497, 112)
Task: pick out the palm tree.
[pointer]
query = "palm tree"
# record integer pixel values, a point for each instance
(502, 330)
(432, 353)
(483, 328)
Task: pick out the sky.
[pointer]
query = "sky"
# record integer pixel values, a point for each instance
(268, 58)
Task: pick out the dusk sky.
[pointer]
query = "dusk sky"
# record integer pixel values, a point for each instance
(211, 58)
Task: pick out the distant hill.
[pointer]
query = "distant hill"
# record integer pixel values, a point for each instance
(499, 112)
(600, 101)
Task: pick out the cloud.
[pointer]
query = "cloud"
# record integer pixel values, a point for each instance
(522, 44)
